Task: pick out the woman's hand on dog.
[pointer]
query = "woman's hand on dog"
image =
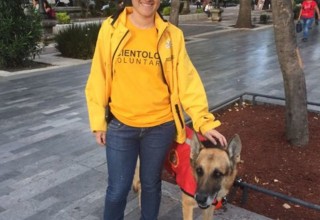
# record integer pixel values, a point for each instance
(214, 135)
(100, 137)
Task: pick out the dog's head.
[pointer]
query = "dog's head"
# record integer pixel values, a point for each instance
(214, 169)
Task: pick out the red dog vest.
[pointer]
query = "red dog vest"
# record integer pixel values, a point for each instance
(178, 165)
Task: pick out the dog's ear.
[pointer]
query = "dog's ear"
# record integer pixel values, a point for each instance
(195, 146)
(234, 148)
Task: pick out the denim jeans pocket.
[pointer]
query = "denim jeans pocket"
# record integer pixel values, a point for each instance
(115, 124)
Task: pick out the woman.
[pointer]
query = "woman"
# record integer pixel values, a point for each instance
(142, 73)
(35, 4)
(208, 9)
(49, 11)
(308, 7)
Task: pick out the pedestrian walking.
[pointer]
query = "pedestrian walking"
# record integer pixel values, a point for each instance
(260, 4)
(198, 4)
(307, 14)
(208, 9)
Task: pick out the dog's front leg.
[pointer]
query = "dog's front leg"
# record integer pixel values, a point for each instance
(208, 213)
(188, 204)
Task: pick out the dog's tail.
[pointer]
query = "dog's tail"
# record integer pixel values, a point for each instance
(136, 184)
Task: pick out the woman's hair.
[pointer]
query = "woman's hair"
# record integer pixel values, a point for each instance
(46, 3)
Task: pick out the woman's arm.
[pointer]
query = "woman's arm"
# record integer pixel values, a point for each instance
(300, 12)
(317, 11)
(193, 98)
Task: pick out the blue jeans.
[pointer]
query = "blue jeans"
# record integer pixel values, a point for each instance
(307, 23)
(124, 145)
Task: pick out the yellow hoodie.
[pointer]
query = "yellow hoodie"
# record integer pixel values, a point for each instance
(186, 89)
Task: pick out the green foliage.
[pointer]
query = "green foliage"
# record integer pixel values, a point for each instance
(63, 18)
(19, 34)
(166, 11)
(199, 10)
(264, 18)
(112, 9)
(78, 41)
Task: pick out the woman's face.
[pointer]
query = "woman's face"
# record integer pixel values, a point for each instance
(146, 8)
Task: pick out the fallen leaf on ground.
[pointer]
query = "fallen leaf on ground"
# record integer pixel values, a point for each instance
(286, 206)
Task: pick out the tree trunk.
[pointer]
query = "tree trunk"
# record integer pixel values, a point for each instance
(244, 16)
(297, 131)
(186, 7)
(174, 14)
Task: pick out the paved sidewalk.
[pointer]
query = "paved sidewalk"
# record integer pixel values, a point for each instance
(51, 167)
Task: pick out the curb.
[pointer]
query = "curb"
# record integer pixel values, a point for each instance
(53, 59)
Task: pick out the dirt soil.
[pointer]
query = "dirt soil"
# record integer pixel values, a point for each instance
(26, 66)
(270, 162)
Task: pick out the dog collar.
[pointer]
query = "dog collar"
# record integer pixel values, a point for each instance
(217, 205)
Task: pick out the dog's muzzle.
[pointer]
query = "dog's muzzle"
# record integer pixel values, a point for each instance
(204, 200)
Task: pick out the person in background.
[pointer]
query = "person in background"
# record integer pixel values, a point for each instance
(120, 4)
(49, 10)
(316, 15)
(224, 3)
(142, 74)
(59, 3)
(208, 9)
(35, 4)
(253, 3)
(260, 4)
(204, 3)
(198, 4)
(307, 14)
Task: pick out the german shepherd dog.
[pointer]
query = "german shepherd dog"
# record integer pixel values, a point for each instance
(214, 169)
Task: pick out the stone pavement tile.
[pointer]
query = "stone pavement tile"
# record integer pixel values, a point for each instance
(236, 213)
(8, 175)
(1, 209)
(41, 183)
(4, 190)
(26, 208)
